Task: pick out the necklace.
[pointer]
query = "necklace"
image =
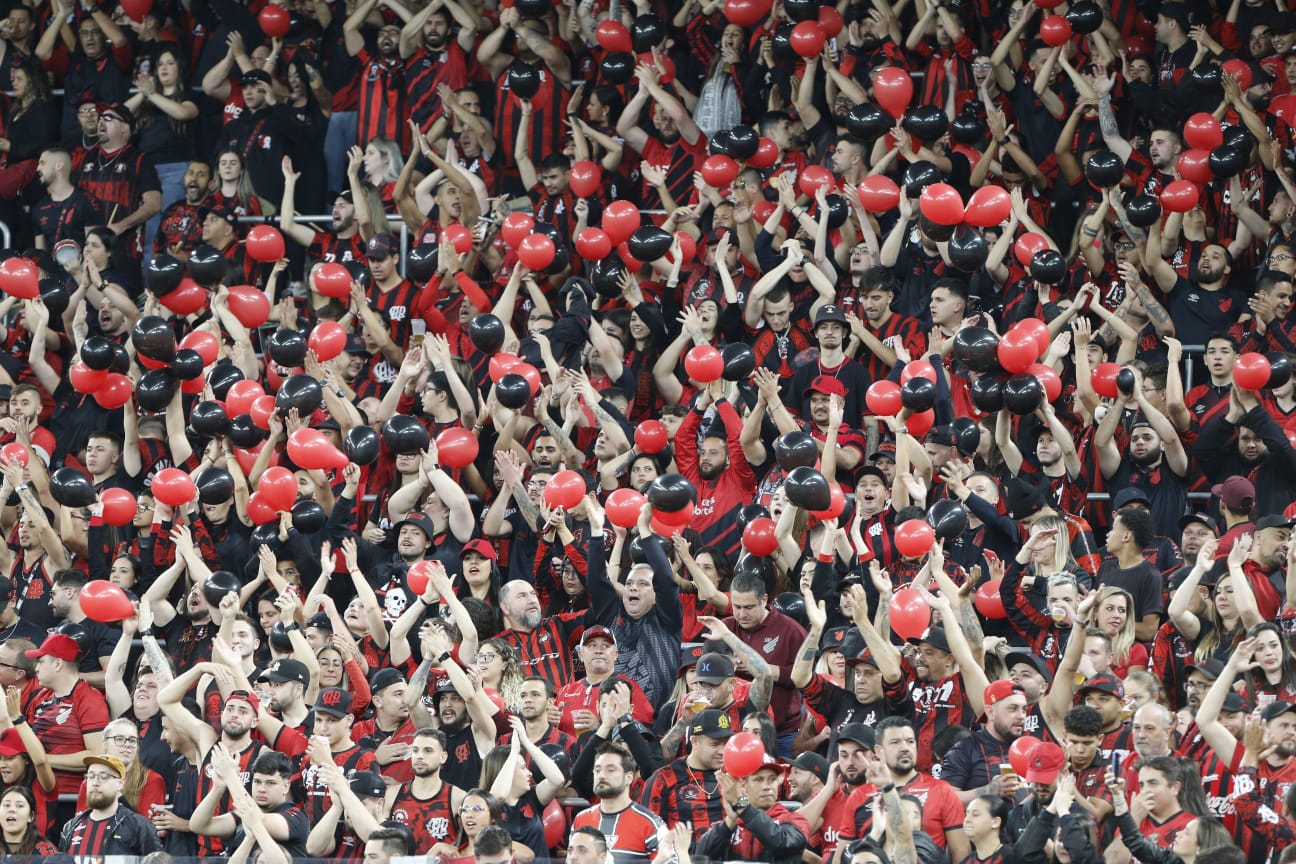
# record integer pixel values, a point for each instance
(701, 783)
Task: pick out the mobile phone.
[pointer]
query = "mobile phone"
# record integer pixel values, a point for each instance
(1116, 764)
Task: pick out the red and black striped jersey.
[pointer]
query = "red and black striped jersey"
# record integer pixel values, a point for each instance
(384, 99)
(215, 845)
(426, 70)
(895, 331)
(937, 705)
(547, 115)
(546, 650)
(678, 793)
(394, 306)
(633, 835)
(681, 160)
(118, 181)
(330, 247)
(431, 820)
(317, 799)
(1163, 833)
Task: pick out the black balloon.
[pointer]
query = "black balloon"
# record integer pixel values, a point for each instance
(207, 265)
(748, 512)
(1104, 169)
(745, 141)
(919, 175)
(808, 489)
(215, 486)
(781, 43)
(796, 450)
(721, 144)
(53, 293)
(220, 583)
(618, 68)
(968, 249)
(523, 79)
(977, 348)
(1125, 380)
(649, 243)
(847, 516)
(1280, 369)
(308, 517)
(759, 567)
(405, 435)
(967, 129)
(359, 273)
(793, 606)
(78, 633)
(244, 433)
(838, 211)
(532, 8)
(987, 394)
(606, 275)
(739, 361)
(121, 361)
(647, 32)
(937, 232)
(155, 389)
(164, 274)
(562, 257)
(968, 435)
(1206, 78)
(1085, 17)
(209, 418)
(188, 364)
(513, 391)
(265, 535)
(421, 263)
(868, 121)
(222, 377)
(802, 10)
(486, 332)
(1023, 394)
(1226, 161)
(301, 392)
(917, 394)
(948, 518)
(561, 759)
(1239, 137)
(926, 122)
(361, 445)
(97, 352)
(287, 347)
(671, 493)
(1048, 267)
(1143, 210)
(71, 488)
(154, 339)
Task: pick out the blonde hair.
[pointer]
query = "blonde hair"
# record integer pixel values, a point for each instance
(136, 773)
(1123, 639)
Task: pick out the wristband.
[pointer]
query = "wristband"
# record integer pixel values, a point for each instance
(825, 558)
(19, 720)
(444, 656)
(292, 628)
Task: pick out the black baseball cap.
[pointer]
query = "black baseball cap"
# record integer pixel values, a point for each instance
(859, 734)
(814, 763)
(712, 723)
(287, 670)
(933, 636)
(255, 76)
(368, 784)
(333, 701)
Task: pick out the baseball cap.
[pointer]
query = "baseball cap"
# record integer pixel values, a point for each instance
(857, 733)
(830, 312)
(334, 701)
(368, 784)
(598, 632)
(1176, 12)
(827, 385)
(355, 345)
(384, 678)
(1211, 669)
(107, 761)
(933, 636)
(480, 547)
(1032, 660)
(997, 691)
(812, 762)
(1234, 703)
(832, 638)
(712, 723)
(1276, 709)
(871, 471)
(226, 213)
(287, 670)
(380, 246)
(1021, 499)
(1236, 492)
(119, 109)
(1129, 495)
(7, 590)
(255, 76)
(714, 668)
(419, 518)
(320, 621)
(1103, 683)
(57, 645)
(11, 743)
(944, 436)
(245, 696)
(1273, 520)
(885, 449)
(863, 658)
(1046, 760)
(689, 657)
(768, 761)
(1209, 522)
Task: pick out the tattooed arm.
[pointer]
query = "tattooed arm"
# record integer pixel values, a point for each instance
(761, 671)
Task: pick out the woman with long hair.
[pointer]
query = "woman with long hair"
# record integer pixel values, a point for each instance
(1111, 611)
(1272, 677)
(18, 832)
(983, 823)
(1203, 832)
(164, 115)
(1213, 621)
(143, 788)
(381, 167)
(234, 186)
(505, 773)
(309, 104)
(31, 126)
(499, 668)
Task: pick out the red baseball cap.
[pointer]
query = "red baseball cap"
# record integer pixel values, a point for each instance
(482, 548)
(58, 645)
(828, 385)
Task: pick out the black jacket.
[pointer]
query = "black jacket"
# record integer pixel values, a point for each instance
(127, 833)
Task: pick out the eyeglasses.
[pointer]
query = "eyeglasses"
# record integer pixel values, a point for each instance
(112, 117)
(11, 666)
(143, 507)
(123, 740)
(1282, 256)
(475, 808)
(1197, 685)
(87, 110)
(485, 656)
(1126, 246)
(97, 777)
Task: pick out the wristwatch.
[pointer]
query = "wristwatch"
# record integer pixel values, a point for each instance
(742, 803)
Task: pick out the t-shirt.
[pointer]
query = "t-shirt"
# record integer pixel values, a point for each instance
(1198, 313)
(61, 722)
(1142, 581)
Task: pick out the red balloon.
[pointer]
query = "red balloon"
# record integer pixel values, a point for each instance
(250, 306)
(883, 398)
(18, 278)
(115, 392)
(836, 503)
(1038, 331)
(1239, 71)
(263, 408)
(149, 362)
(265, 244)
(1049, 4)
(918, 369)
(501, 364)
(651, 437)
(278, 487)
(118, 507)
(879, 194)
(136, 10)
(620, 219)
(188, 297)
(989, 206)
(86, 380)
(241, 395)
(333, 280)
(743, 755)
(173, 487)
(515, 227)
(1251, 371)
(593, 244)
(942, 204)
(766, 154)
(704, 364)
(760, 537)
(613, 36)
(1194, 165)
(14, 452)
(458, 237)
(1055, 30)
(1019, 753)
(987, 600)
(275, 21)
(530, 373)
(1047, 376)
(246, 458)
(921, 423)
(762, 211)
(419, 575)
(719, 170)
(914, 538)
(536, 251)
(1017, 351)
(746, 13)
(259, 509)
(105, 602)
(456, 447)
(815, 177)
(1179, 196)
(1027, 245)
(623, 252)
(668, 524)
(587, 177)
(623, 507)
(564, 489)
(327, 340)
(310, 449)
(893, 89)
(831, 21)
(554, 820)
(1103, 380)
(204, 343)
(808, 39)
(1203, 131)
(910, 614)
(688, 247)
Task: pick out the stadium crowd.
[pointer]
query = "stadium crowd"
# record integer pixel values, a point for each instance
(644, 432)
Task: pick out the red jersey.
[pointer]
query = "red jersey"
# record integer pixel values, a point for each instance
(431, 820)
(937, 705)
(62, 722)
(546, 650)
(317, 800)
(634, 834)
(1163, 833)
(584, 696)
(426, 70)
(384, 99)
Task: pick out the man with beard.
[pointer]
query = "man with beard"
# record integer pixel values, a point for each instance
(542, 643)
(827, 398)
(121, 177)
(286, 682)
(718, 468)
(1046, 762)
(439, 60)
(390, 295)
(67, 714)
(831, 330)
(342, 243)
(807, 775)
(537, 697)
(41, 555)
(1245, 441)
(679, 145)
(972, 765)
(65, 603)
(515, 512)
(429, 805)
(262, 135)
(687, 789)
(1150, 173)
(1151, 731)
(65, 211)
(468, 717)
(108, 826)
(881, 329)
(770, 832)
(714, 684)
(778, 339)
(341, 833)
(634, 833)
(389, 731)
(181, 226)
(383, 91)
(189, 633)
(1203, 304)
(98, 67)
(266, 818)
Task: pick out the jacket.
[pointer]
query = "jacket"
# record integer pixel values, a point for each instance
(774, 836)
(127, 833)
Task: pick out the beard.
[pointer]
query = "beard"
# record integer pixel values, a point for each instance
(607, 790)
(98, 800)
(711, 473)
(1146, 459)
